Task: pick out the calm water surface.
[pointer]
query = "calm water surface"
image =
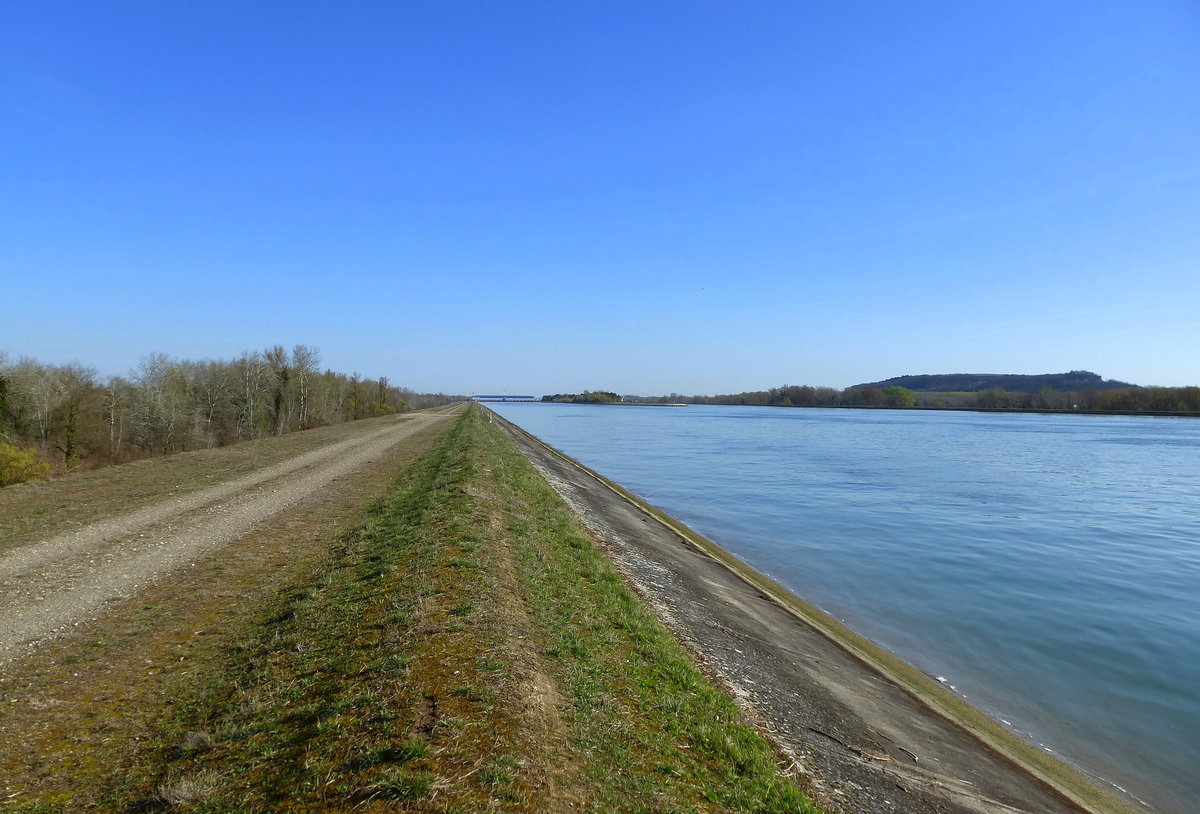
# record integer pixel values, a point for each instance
(1048, 567)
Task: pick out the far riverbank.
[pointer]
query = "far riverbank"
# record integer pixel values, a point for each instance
(882, 407)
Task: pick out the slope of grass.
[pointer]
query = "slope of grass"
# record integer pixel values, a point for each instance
(655, 734)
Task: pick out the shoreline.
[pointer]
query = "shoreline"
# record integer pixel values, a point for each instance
(1014, 773)
(918, 409)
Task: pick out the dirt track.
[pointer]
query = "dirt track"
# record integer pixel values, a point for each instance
(52, 585)
(863, 743)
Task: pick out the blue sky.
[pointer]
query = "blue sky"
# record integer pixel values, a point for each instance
(542, 197)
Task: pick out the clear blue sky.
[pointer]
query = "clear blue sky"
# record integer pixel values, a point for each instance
(646, 197)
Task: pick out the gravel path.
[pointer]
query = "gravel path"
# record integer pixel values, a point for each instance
(53, 585)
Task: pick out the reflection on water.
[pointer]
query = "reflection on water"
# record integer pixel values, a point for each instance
(1047, 566)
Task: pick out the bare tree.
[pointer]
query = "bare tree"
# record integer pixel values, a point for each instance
(252, 376)
(161, 395)
(304, 362)
(36, 395)
(115, 402)
(168, 405)
(212, 386)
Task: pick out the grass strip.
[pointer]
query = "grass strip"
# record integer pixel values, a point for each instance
(655, 733)
(360, 690)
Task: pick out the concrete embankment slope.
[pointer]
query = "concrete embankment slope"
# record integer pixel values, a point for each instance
(873, 734)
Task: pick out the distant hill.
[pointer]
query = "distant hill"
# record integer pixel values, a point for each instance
(1012, 382)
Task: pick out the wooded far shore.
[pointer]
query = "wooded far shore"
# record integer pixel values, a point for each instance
(1078, 391)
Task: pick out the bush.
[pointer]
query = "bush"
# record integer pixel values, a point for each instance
(20, 465)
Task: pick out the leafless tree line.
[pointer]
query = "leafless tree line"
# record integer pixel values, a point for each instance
(67, 416)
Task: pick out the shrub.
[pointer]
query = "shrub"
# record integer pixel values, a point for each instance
(20, 465)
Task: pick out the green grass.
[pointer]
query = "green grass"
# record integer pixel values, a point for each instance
(656, 735)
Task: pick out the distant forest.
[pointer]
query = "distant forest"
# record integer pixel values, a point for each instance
(58, 418)
(1077, 391)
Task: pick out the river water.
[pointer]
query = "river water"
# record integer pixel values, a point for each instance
(1047, 568)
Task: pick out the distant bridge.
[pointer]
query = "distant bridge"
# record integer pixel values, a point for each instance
(506, 398)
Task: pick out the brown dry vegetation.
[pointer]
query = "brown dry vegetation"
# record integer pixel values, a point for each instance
(65, 419)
